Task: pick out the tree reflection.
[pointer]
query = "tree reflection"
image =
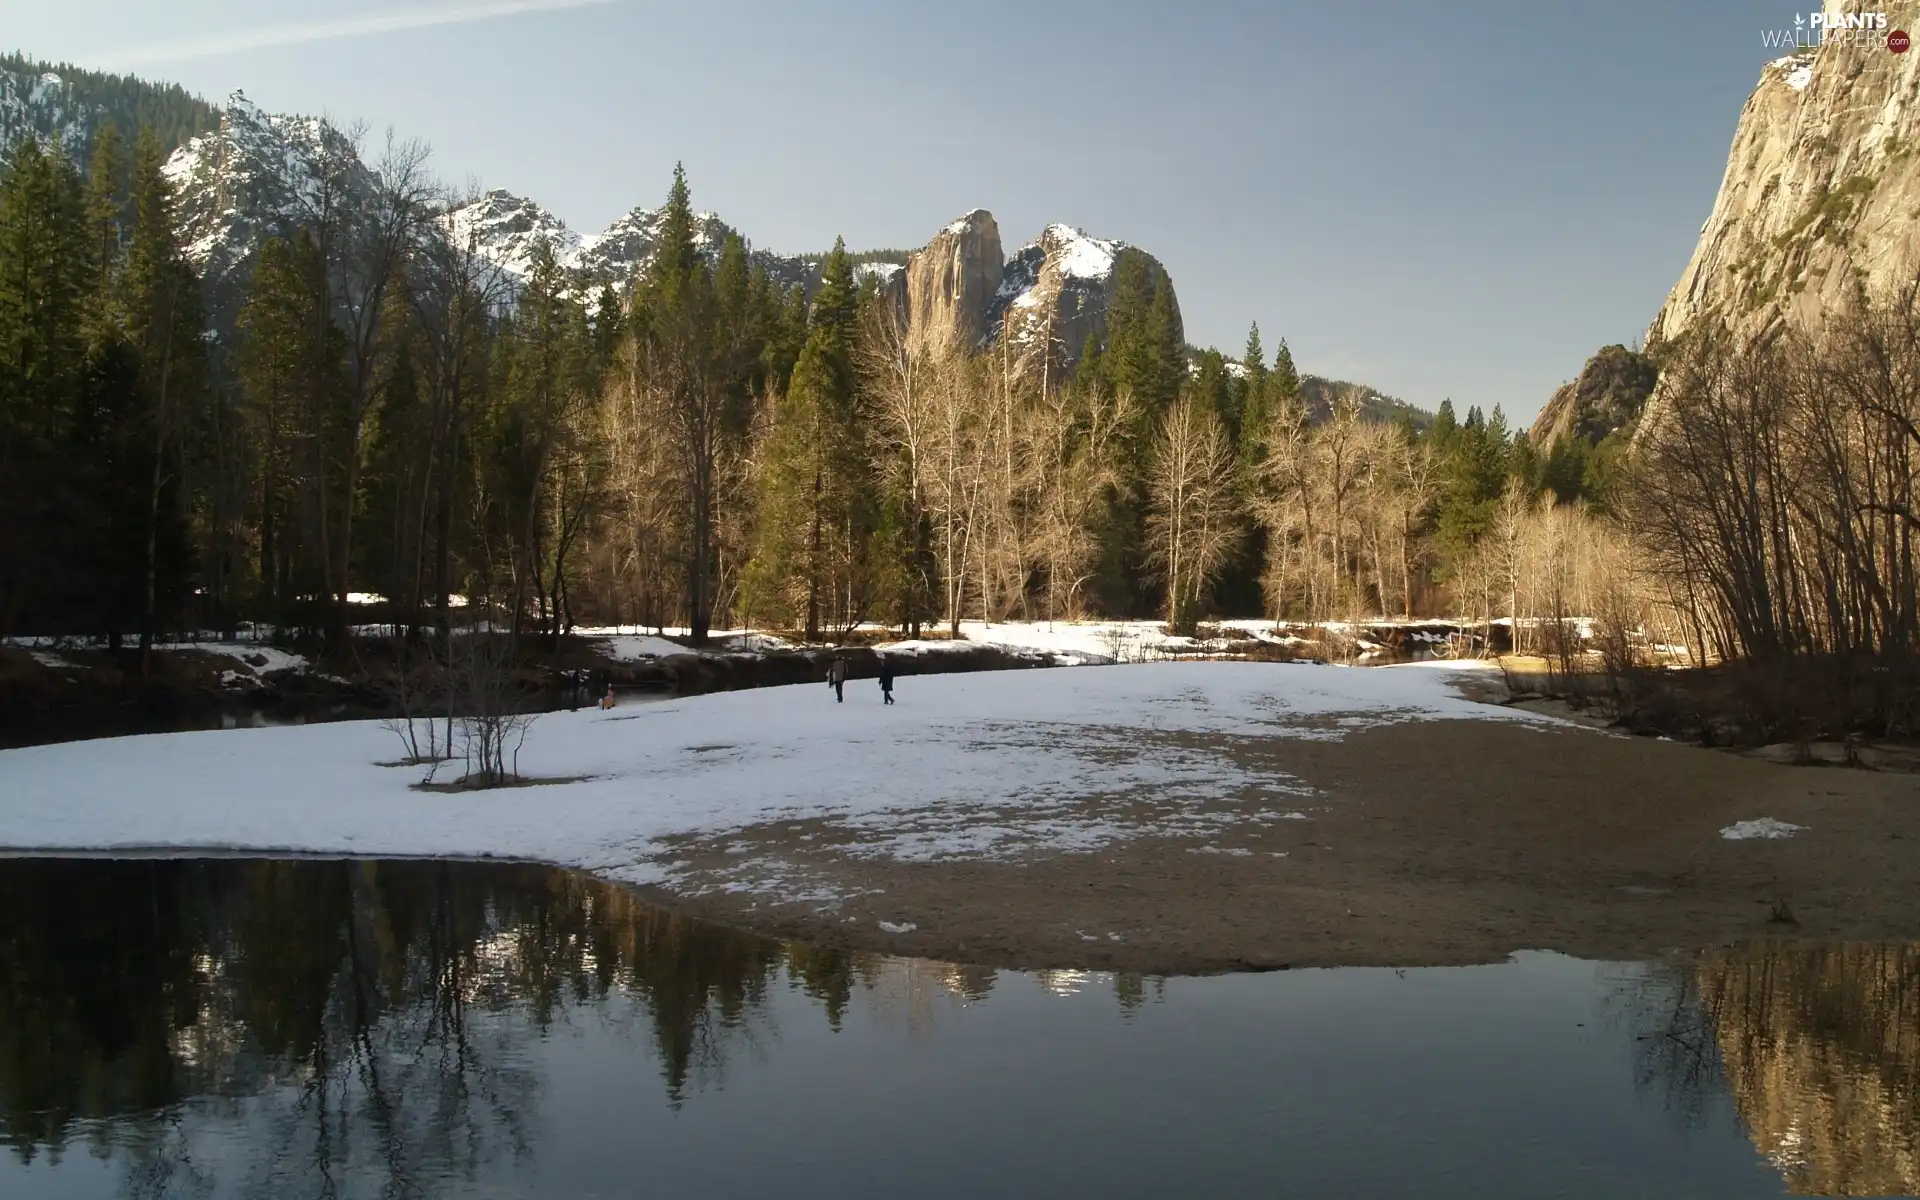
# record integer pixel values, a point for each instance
(365, 1020)
(1818, 1046)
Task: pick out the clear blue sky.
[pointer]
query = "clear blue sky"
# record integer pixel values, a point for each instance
(1456, 199)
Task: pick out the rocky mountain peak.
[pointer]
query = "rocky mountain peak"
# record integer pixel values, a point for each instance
(504, 228)
(1607, 396)
(1821, 195)
(951, 283)
(1056, 290)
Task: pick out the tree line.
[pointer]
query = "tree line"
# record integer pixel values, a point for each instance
(1776, 512)
(390, 414)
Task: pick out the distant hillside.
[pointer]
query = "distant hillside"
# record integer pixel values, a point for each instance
(1375, 405)
(897, 258)
(1319, 393)
(61, 101)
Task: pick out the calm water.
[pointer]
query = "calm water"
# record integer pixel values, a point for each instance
(292, 1029)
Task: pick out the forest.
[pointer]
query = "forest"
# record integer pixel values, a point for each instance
(390, 415)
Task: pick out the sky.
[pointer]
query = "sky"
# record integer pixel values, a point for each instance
(1459, 199)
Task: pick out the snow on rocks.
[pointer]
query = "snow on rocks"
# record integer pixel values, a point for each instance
(1079, 254)
(990, 764)
(1763, 828)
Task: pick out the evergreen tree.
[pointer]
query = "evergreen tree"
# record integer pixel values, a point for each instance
(1279, 390)
(288, 360)
(44, 282)
(107, 218)
(1564, 470)
(676, 256)
(545, 474)
(1474, 466)
(1445, 428)
(607, 325)
(165, 325)
(1252, 387)
(817, 509)
(786, 337)
(1211, 388)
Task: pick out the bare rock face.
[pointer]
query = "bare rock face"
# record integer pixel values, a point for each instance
(1057, 289)
(1044, 303)
(950, 284)
(1821, 196)
(1609, 394)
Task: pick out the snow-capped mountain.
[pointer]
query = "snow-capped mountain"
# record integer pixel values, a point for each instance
(963, 293)
(46, 106)
(258, 175)
(504, 228)
(1064, 277)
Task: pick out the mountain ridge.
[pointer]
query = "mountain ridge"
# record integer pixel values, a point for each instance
(242, 174)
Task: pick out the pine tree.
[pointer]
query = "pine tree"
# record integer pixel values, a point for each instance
(817, 507)
(1279, 388)
(786, 337)
(1445, 426)
(545, 468)
(1211, 388)
(44, 282)
(288, 360)
(107, 219)
(676, 256)
(164, 324)
(1251, 388)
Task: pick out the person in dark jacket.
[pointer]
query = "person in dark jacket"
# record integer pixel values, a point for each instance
(837, 678)
(886, 679)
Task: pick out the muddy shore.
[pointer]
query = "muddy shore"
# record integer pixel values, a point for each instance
(1424, 843)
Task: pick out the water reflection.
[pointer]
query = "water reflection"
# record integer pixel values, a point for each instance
(1819, 1046)
(372, 1028)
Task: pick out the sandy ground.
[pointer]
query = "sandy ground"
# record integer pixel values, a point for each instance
(1426, 843)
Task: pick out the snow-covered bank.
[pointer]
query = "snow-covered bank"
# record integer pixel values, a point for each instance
(964, 764)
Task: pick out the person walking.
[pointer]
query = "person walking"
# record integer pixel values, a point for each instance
(886, 680)
(837, 678)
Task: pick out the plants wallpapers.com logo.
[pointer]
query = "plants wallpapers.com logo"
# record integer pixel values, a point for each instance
(1810, 30)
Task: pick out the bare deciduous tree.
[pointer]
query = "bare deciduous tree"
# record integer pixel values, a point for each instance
(1191, 494)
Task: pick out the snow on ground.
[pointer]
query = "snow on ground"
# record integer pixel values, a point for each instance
(632, 647)
(995, 764)
(273, 658)
(46, 651)
(632, 643)
(1086, 642)
(1765, 827)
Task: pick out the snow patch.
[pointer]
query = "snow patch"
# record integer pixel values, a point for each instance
(1765, 827)
(993, 764)
(901, 927)
(638, 647)
(1079, 255)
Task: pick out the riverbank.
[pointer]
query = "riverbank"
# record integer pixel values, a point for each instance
(1422, 843)
(54, 690)
(59, 692)
(1174, 817)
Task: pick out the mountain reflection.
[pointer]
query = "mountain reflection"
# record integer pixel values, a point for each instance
(1818, 1045)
